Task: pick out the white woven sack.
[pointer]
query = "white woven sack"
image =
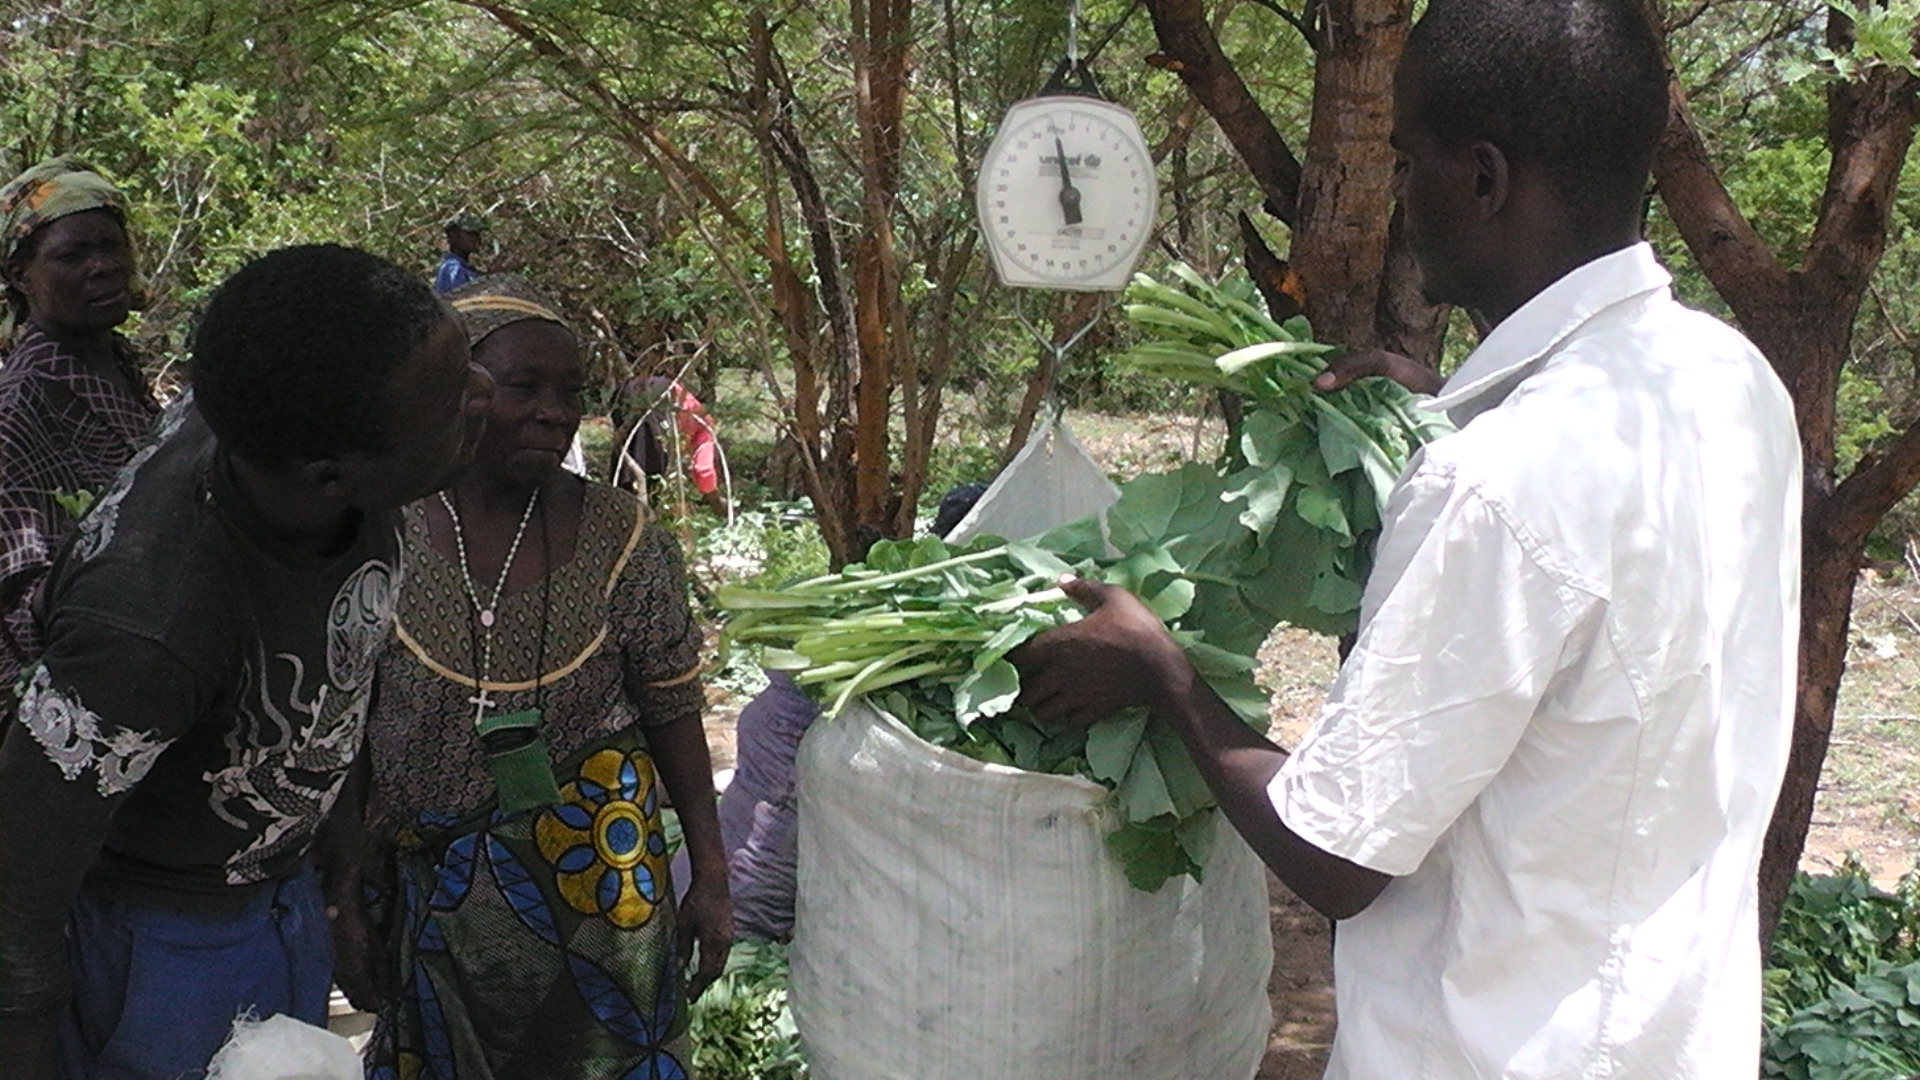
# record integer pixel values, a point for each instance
(958, 920)
(1051, 482)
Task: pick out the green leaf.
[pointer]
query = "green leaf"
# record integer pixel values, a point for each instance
(1247, 700)
(1196, 836)
(1111, 744)
(783, 660)
(985, 748)
(1221, 614)
(1025, 742)
(1148, 505)
(1322, 510)
(75, 503)
(1171, 600)
(1143, 566)
(1342, 446)
(988, 692)
(926, 551)
(1148, 857)
(1266, 438)
(1334, 594)
(1264, 490)
(1076, 541)
(1024, 626)
(1065, 750)
(1034, 558)
(888, 557)
(1143, 795)
(1185, 786)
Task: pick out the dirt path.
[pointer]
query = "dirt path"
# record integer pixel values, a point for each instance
(1301, 990)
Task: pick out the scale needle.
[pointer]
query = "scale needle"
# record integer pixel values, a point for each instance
(1069, 195)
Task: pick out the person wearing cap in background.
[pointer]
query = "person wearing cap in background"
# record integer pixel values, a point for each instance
(74, 402)
(463, 241)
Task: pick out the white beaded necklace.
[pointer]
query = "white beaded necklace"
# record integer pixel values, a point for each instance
(480, 701)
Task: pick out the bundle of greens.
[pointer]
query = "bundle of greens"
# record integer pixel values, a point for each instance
(1277, 531)
(1289, 512)
(742, 1027)
(922, 630)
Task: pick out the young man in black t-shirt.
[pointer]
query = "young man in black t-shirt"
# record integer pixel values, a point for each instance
(211, 632)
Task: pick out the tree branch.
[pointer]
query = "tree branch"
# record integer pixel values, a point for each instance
(1738, 263)
(1874, 487)
(1298, 20)
(642, 134)
(1871, 124)
(1701, 7)
(1786, 26)
(1190, 50)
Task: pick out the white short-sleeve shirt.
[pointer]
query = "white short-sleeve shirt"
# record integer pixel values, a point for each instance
(1567, 714)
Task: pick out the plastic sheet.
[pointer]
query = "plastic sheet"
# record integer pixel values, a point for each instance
(282, 1048)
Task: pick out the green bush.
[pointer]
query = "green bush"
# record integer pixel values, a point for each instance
(1843, 985)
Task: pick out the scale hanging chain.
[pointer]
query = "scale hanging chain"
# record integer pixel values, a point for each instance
(1072, 76)
(1057, 354)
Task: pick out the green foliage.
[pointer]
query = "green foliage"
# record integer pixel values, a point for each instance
(765, 547)
(1863, 419)
(1281, 528)
(1277, 531)
(1843, 986)
(1883, 36)
(75, 503)
(922, 630)
(741, 1028)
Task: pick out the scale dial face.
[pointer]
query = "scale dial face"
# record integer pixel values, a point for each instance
(1066, 194)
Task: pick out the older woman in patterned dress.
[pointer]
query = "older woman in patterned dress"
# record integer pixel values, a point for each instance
(73, 401)
(542, 688)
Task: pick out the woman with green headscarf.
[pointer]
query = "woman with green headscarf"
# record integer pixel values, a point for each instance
(73, 400)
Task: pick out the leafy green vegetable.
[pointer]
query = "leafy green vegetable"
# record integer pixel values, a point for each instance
(1277, 531)
(1843, 985)
(75, 503)
(1289, 512)
(922, 630)
(741, 1028)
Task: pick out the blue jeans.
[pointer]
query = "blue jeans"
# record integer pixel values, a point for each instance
(156, 991)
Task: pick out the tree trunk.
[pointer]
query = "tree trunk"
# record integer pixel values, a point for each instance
(1361, 287)
(1802, 320)
(1346, 197)
(1828, 573)
(881, 36)
(1190, 50)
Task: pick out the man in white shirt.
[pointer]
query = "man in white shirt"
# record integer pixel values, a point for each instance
(1538, 790)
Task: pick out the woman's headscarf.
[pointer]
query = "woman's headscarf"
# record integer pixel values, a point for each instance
(46, 193)
(499, 300)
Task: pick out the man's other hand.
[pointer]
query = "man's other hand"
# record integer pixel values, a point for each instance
(1404, 370)
(1118, 656)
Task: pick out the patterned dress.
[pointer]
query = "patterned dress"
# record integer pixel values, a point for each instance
(63, 428)
(538, 945)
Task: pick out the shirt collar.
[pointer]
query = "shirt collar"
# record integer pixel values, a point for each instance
(1516, 347)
